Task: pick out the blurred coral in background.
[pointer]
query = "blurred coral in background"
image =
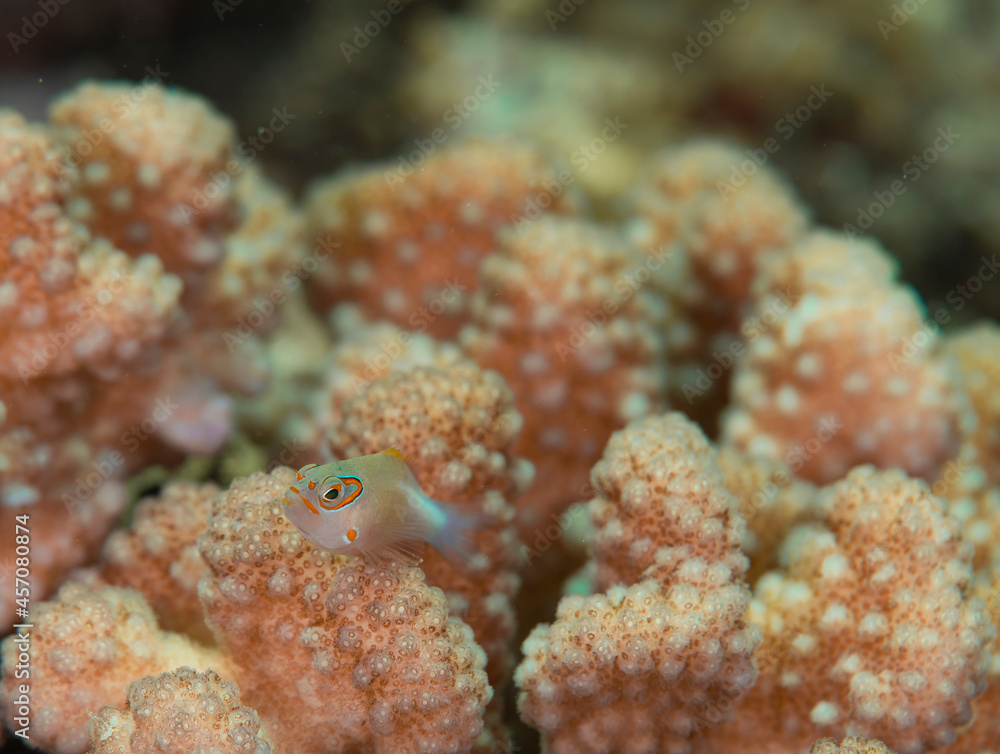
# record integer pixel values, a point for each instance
(692, 307)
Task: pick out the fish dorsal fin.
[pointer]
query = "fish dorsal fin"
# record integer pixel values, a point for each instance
(395, 453)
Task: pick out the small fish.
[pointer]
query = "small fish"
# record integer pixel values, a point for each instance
(373, 506)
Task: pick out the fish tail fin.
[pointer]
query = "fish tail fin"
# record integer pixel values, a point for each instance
(455, 536)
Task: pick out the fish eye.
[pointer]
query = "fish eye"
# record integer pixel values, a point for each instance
(341, 492)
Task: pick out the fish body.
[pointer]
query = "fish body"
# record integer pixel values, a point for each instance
(373, 506)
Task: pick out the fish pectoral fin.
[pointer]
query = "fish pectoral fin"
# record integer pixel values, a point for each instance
(400, 539)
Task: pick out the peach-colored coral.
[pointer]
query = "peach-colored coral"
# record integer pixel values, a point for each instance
(410, 242)
(870, 628)
(715, 221)
(365, 352)
(178, 712)
(977, 352)
(644, 666)
(263, 261)
(772, 501)
(99, 365)
(70, 495)
(150, 171)
(982, 734)
(563, 314)
(456, 426)
(69, 303)
(158, 555)
(971, 480)
(308, 631)
(299, 630)
(831, 384)
(86, 646)
(73, 310)
(850, 745)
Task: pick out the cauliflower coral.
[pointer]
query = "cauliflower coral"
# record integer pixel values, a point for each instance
(711, 597)
(409, 242)
(184, 710)
(823, 389)
(664, 650)
(870, 626)
(119, 283)
(295, 628)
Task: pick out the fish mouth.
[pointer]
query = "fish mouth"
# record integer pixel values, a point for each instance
(303, 498)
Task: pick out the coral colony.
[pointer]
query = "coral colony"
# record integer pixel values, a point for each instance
(549, 353)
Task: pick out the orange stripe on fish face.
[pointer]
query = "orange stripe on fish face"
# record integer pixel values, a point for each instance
(338, 497)
(309, 505)
(303, 498)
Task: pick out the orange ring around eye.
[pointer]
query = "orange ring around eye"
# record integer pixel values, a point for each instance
(335, 503)
(351, 496)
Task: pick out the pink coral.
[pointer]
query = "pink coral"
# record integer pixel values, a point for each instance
(665, 650)
(850, 745)
(456, 426)
(716, 223)
(977, 353)
(143, 163)
(182, 711)
(828, 385)
(772, 502)
(99, 363)
(409, 244)
(376, 642)
(870, 628)
(297, 629)
(87, 645)
(365, 352)
(158, 555)
(562, 314)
